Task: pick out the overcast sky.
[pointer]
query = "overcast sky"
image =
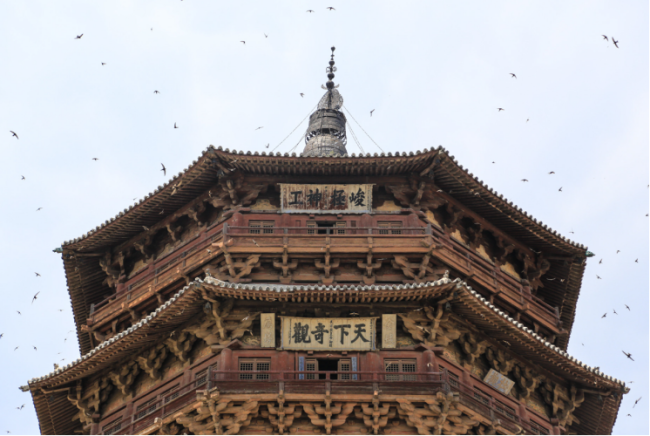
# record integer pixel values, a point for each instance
(435, 74)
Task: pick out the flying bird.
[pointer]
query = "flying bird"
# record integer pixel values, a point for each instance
(560, 190)
(605, 38)
(513, 75)
(572, 232)
(500, 109)
(35, 297)
(35, 349)
(371, 112)
(14, 134)
(628, 355)
(16, 348)
(39, 209)
(103, 63)
(146, 228)
(310, 11)
(615, 42)
(22, 177)
(21, 407)
(527, 119)
(552, 172)
(614, 311)
(302, 95)
(243, 42)
(79, 36)
(95, 158)
(635, 403)
(267, 145)
(37, 274)
(601, 261)
(161, 212)
(598, 277)
(636, 261)
(18, 311)
(266, 36)
(254, 242)
(524, 180)
(260, 127)
(604, 316)
(331, 8)
(618, 251)
(175, 127)
(156, 92)
(627, 307)
(164, 170)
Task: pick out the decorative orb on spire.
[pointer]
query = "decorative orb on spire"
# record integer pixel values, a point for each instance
(325, 135)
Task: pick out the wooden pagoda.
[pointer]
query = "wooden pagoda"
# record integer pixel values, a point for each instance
(325, 293)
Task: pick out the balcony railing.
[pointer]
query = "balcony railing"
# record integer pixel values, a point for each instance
(385, 241)
(322, 382)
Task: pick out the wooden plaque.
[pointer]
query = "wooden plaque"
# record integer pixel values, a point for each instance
(295, 198)
(341, 334)
(267, 321)
(499, 382)
(389, 331)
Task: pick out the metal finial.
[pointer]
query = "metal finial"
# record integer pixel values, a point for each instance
(330, 71)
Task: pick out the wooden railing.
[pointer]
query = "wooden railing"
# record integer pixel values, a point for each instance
(161, 271)
(407, 240)
(502, 409)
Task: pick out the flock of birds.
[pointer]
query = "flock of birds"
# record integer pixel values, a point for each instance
(164, 170)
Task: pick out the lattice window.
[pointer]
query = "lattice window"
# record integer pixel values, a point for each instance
(257, 366)
(505, 410)
(311, 227)
(339, 228)
(481, 396)
(200, 378)
(400, 365)
(311, 365)
(170, 394)
(345, 365)
(113, 427)
(537, 428)
(257, 227)
(146, 408)
(390, 227)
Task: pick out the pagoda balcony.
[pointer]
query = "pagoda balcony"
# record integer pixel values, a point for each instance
(155, 281)
(503, 411)
(305, 242)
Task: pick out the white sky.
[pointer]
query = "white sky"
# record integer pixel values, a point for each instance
(434, 72)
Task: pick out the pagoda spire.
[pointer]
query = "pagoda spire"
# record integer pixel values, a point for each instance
(325, 135)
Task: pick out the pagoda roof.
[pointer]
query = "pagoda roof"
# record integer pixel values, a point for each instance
(595, 417)
(84, 276)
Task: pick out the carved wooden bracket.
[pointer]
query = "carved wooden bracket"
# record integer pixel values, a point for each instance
(328, 416)
(285, 266)
(282, 417)
(328, 265)
(181, 344)
(499, 360)
(124, 377)
(152, 360)
(231, 267)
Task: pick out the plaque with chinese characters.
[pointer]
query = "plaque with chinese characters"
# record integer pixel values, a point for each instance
(326, 198)
(499, 382)
(342, 334)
